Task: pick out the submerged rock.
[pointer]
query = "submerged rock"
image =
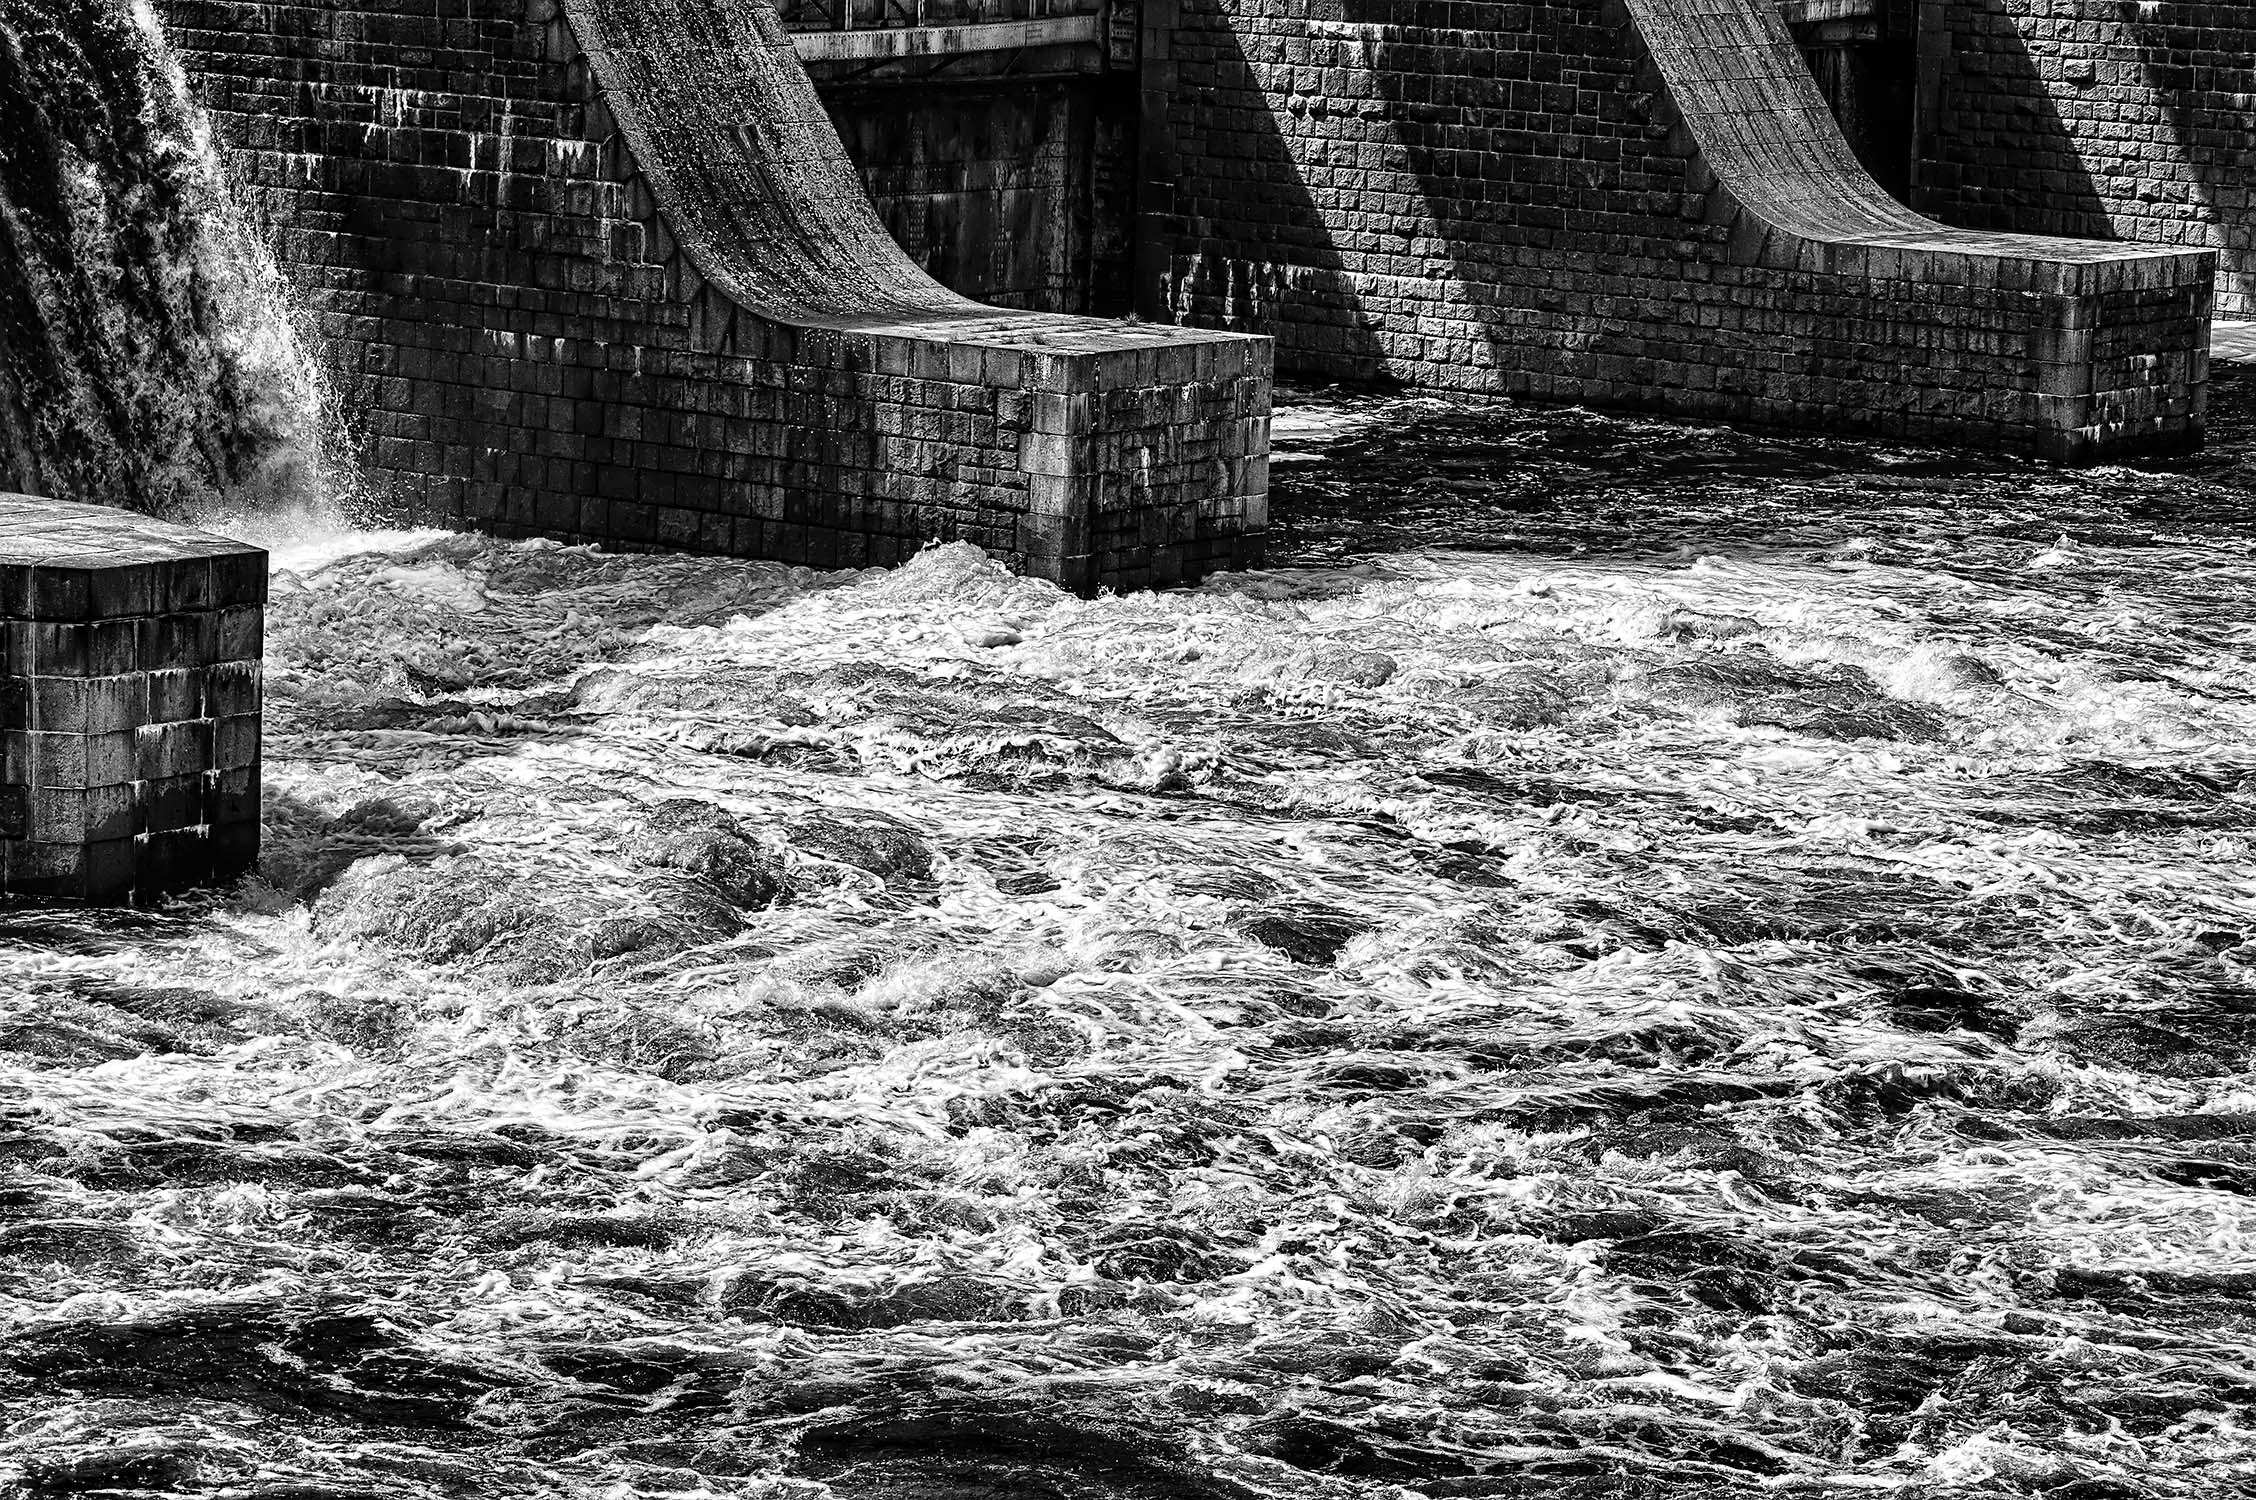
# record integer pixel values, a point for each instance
(307, 848)
(547, 1226)
(1304, 936)
(700, 839)
(946, 1446)
(140, 1467)
(866, 841)
(1345, 666)
(332, 1360)
(2135, 1044)
(1707, 625)
(365, 1023)
(1753, 688)
(518, 926)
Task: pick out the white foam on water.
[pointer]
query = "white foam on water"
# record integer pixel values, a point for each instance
(1529, 1000)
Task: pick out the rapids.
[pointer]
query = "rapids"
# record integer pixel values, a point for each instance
(1638, 959)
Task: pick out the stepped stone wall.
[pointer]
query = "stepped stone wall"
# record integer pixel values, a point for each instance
(1638, 203)
(2096, 117)
(604, 272)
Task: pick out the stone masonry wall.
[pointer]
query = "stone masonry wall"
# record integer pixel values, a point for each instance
(605, 273)
(1635, 203)
(2096, 117)
(130, 700)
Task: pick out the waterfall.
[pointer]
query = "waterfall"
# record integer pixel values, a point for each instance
(148, 355)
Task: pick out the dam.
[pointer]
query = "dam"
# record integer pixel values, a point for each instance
(608, 272)
(626, 289)
(1659, 907)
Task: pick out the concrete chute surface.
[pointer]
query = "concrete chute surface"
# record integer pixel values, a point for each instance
(747, 169)
(1641, 204)
(602, 271)
(1775, 167)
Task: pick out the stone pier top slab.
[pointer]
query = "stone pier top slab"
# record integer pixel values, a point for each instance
(61, 561)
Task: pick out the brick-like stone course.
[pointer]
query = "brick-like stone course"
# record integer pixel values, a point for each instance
(2096, 117)
(129, 702)
(603, 272)
(1638, 203)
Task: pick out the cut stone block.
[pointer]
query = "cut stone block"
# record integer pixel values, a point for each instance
(129, 702)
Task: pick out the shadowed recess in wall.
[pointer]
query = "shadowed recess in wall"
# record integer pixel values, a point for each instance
(991, 187)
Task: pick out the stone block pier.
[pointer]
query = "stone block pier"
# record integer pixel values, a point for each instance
(1629, 203)
(129, 702)
(2069, 348)
(602, 271)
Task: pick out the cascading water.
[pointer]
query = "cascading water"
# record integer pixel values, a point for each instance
(1741, 986)
(1641, 960)
(147, 353)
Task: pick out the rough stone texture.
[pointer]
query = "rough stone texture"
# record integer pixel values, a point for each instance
(1637, 204)
(605, 273)
(2096, 117)
(129, 702)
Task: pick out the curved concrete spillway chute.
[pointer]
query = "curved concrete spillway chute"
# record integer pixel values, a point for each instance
(1630, 203)
(1776, 168)
(1140, 454)
(601, 270)
(748, 173)
(1750, 109)
(746, 167)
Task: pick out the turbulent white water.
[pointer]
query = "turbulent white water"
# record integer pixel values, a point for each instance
(1689, 1005)
(149, 353)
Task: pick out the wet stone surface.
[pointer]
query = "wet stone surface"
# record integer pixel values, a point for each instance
(129, 702)
(1752, 997)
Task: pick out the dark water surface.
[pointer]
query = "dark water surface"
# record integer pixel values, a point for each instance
(1641, 960)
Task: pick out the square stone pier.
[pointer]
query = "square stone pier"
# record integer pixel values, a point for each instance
(129, 702)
